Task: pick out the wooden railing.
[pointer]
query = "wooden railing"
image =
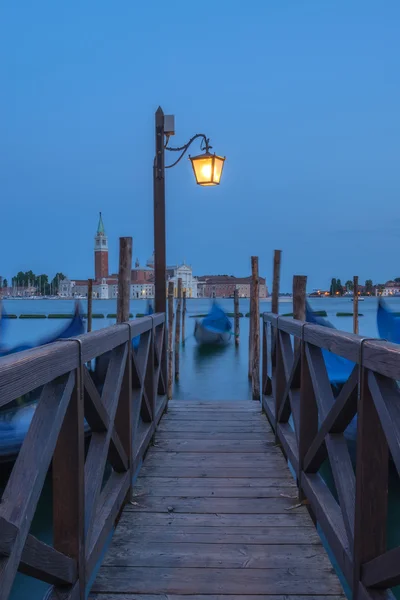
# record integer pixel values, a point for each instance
(310, 417)
(122, 401)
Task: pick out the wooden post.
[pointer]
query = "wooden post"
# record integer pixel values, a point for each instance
(124, 279)
(178, 328)
(69, 485)
(170, 338)
(355, 304)
(299, 297)
(160, 278)
(236, 313)
(299, 302)
(276, 281)
(371, 497)
(183, 317)
(159, 214)
(255, 329)
(250, 367)
(89, 305)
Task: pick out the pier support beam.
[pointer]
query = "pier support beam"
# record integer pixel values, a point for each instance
(236, 318)
(355, 304)
(299, 297)
(170, 338)
(255, 329)
(89, 305)
(124, 279)
(276, 281)
(178, 328)
(299, 302)
(183, 317)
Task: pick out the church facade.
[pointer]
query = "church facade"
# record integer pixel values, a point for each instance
(105, 285)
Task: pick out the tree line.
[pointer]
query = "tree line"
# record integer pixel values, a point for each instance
(337, 289)
(41, 283)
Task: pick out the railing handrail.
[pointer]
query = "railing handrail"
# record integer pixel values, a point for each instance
(310, 415)
(123, 390)
(381, 356)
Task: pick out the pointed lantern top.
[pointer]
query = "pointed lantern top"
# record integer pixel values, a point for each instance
(100, 227)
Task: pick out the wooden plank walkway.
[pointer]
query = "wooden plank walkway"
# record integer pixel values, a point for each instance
(214, 515)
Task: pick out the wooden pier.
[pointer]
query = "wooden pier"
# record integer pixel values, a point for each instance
(199, 502)
(214, 513)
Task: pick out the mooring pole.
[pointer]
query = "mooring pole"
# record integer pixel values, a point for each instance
(170, 338)
(124, 279)
(299, 302)
(276, 281)
(183, 317)
(89, 305)
(123, 416)
(299, 297)
(255, 329)
(236, 317)
(355, 304)
(250, 365)
(178, 328)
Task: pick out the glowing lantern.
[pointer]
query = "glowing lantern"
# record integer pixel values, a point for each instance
(207, 168)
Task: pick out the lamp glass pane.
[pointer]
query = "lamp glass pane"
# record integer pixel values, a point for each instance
(218, 166)
(203, 169)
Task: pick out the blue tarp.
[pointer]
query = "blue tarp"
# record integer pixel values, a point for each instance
(74, 328)
(216, 320)
(388, 324)
(136, 340)
(338, 368)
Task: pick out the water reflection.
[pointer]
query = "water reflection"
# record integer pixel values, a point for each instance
(205, 354)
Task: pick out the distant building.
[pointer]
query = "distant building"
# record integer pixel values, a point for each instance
(105, 285)
(189, 282)
(224, 286)
(100, 252)
(391, 289)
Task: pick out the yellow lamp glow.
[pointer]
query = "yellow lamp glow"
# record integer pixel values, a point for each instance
(207, 168)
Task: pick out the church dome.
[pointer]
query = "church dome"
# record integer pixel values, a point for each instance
(150, 262)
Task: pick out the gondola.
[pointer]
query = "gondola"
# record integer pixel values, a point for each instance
(214, 329)
(388, 323)
(101, 363)
(16, 417)
(338, 369)
(75, 327)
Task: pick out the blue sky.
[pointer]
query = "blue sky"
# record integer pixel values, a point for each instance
(302, 96)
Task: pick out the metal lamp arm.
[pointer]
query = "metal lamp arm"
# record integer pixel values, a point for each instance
(185, 148)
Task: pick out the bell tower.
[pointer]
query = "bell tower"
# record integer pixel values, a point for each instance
(100, 252)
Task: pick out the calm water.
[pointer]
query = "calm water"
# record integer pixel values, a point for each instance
(221, 374)
(217, 375)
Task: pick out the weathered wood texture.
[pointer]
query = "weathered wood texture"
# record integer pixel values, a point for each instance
(184, 293)
(222, 523)
(178, 327)
(124, 279)
(236, 317)
(310, 418)
(119, 402)
(255, 330)
(276, 281)
(355, 304)
(299, 297)
(160, 264)
(170, 346)
(89, 305)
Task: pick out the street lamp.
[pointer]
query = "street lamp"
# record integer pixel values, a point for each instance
(207, 169)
